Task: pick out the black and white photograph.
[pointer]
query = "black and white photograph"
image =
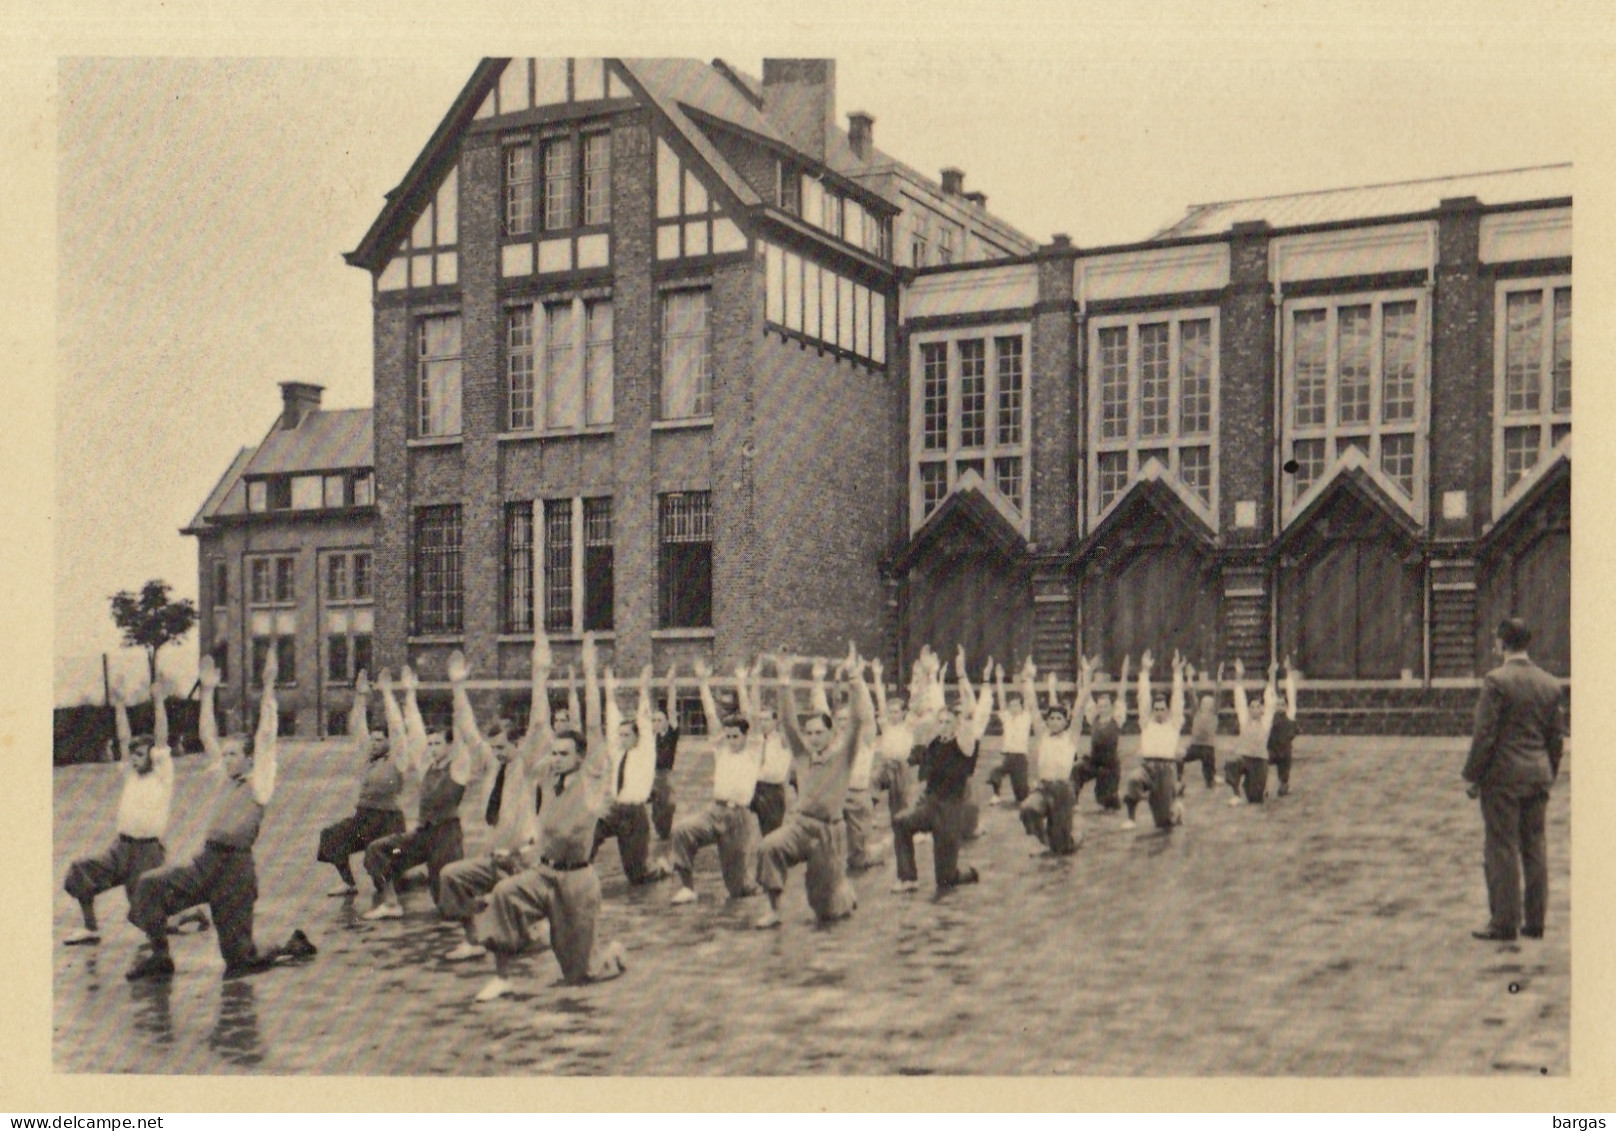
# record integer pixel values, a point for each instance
(1030, 549)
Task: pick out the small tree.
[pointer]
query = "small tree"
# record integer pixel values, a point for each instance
(149, 620)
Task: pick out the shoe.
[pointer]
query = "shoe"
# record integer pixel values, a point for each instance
(151, 966)
(1130, 823)
(464, 951)
(384, 911)
(1178, 812)
(683, 896)
(1532, 932)
(770, 918)
(496, 987)
(1284, 789)
(257, 964)
(1494, 934)
(540, 935)
(1234, 801)
(343, 891)
(922, 836)
(969, 876)
(614, 957)
(299, 946)
(746, 893)
(82, 937)
(904, 887)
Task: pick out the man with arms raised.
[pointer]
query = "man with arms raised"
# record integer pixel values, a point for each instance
(727, 821)
(381, 780)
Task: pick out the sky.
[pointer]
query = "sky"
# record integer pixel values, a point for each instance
(204, 198)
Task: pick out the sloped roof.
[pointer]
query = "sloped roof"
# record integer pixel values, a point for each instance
(1508, 186)
(970, 507)
(326, 439)
(1147, 494)
(1556, 472)
(1353, 480)
(227, 495)
(673, 84)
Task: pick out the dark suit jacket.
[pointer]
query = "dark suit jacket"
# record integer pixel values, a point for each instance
(1518, 734)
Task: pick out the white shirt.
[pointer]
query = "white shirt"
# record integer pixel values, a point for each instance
(1159, 740)
(863, 762)
(517, 825)
(735, 774)
(897, 741)
(1017, 731)
(639, 770)
(1056, 753)
(776, 765)
(143, 808)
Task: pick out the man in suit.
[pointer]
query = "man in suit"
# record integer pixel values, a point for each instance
(1514, 757)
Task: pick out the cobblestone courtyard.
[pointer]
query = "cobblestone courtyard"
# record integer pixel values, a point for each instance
(1327, 934)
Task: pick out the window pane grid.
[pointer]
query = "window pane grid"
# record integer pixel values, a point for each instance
(1008, 352)
(1309, 457)
(934, 395)
(437, 570)
(1352, 365)
(684, 524)
(336, 574)
(519, 368)
(518, 567)
(438, 390)
(558, 565)
(561, 393)
(598, 363)
(686, 376)
(933, 486)
(1154, 377)
(518, 190)
(1562, 349)
(1312, 367)
(1007, 478)
(1195, 471)
(597, 522)
(598, 565)
(1114, 383)
(973, 394)
(557, 184)
(597, 178)
(1399, 365)
(1397, 460)
(1195, 377)
(361, 577)
(1523, 352)
(1522, 447)
(1112, 477)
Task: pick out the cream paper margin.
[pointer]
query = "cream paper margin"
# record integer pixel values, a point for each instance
(1541, 51)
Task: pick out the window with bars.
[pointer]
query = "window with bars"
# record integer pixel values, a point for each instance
(438, 376)
(685, 566)
(969, 414)
(517, 573)
(1353, 380)
(1154, 382)
(1533, 363)
(686, 356)
(518, 190)
(438, 576)
(558, 565)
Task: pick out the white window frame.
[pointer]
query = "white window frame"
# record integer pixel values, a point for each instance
(538, 354)
(1019, 511)
(1172, 440)
(355, 612)
(1545, 418)
(1331, 431)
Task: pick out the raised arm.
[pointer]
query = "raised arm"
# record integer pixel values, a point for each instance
(1029, 696)
(1290, 689)
(704, 677)
(414, 724)
(1084, 707)
(818, 699)
(1242, 708)
(1175, 705)
(572, 702)
(747, 701)
(265, 754)
(120, 723)
(398, 743)
(468, 736)
(790, 726)
(614, 718)
(670, 706)
(539, 733)
(358, 714)
(863, 711)
(1119, 709)
(1270, 698)
(159, 700)
(880, 695)
(1147, 664)
(592, 718)
(207, 724)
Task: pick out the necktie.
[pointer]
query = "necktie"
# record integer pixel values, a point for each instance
(496, 795)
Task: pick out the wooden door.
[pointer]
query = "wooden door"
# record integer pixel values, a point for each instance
(1160, 599)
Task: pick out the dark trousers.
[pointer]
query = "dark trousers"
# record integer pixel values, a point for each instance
(662, 804)
(769, 803)
(1047, 815)
(630, 826)
(1513, 822)
(1281, 761)
(121, 865)
(1104, 769)
(1252, 772)
(354, 834)
(1208, 757)
(946, 821)
(1156, 779)
(898, 780)
(434, 845)
(224, 880)
(1013, 766)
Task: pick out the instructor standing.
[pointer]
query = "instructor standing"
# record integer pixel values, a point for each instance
(1514, 757)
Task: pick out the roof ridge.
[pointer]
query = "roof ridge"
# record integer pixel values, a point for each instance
(1376, 185)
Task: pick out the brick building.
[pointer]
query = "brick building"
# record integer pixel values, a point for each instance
(1334, 425)
(632, 328)
(284, 557)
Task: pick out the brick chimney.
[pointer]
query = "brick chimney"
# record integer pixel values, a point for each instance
(861, 133)
(298, 399)
(799, 98)
(953, 181)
